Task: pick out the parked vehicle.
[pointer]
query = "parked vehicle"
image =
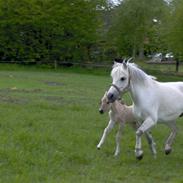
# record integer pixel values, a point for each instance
(169, 56)
(157, 57)
(160, 57)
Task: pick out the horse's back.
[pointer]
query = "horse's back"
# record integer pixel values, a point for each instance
(179, 85)
(174, 85)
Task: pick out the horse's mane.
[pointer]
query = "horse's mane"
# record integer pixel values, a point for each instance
(136, 74)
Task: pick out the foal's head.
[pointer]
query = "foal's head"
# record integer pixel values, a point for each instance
(104, 104)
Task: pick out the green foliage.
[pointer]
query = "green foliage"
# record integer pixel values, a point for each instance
(47, 30)
(88, 30)
(175, 28)
(133, 28)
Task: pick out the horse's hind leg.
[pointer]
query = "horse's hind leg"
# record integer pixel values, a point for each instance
(151, 143)
(170, 139)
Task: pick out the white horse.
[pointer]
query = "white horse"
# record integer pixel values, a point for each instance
(153, 101)
(120, 114)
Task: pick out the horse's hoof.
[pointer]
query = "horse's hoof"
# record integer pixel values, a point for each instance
(116, 154)
(168, 151)
(139, 154)
(140, 157)
(98, 148)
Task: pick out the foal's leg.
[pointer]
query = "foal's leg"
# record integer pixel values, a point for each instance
(118, 139)
(106, 132)
(146, 125)
(170, 139)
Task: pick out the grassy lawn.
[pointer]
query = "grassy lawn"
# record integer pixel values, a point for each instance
(50, 126)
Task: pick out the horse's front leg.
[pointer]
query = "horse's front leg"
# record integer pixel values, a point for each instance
(170, 139)
(106, 132)
(151, 143)
(146, 125)
(118, 138)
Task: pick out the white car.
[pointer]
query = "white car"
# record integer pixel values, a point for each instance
(169, 56)
(157, 57)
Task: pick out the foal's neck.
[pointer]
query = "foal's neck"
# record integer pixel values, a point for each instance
(115, 105)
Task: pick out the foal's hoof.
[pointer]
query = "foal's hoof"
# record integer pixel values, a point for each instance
(168, 151)
(139, 157)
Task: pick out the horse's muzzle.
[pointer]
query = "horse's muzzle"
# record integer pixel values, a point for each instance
(111, 97)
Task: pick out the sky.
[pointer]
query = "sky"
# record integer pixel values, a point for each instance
(115, 1)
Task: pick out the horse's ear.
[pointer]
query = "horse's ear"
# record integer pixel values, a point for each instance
(125, 65)
(129, 59)
(115, 64)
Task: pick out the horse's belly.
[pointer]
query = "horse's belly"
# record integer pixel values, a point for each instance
(167, 118)
(170, 106)
(169, 115)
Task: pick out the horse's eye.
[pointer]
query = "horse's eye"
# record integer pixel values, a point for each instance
(122, 78)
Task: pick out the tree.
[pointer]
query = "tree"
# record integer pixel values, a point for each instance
(133, 25)
(36, 30)
(175, 28)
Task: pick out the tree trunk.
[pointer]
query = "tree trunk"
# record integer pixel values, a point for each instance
(141, 51)
(88, 54)
(55, 64)
(177, 65)
(134, 51)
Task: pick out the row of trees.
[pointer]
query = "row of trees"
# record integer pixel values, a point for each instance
(88, 30)
(47, 30)
(137, 26)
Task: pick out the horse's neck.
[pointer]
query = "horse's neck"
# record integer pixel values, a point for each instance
(139, 92)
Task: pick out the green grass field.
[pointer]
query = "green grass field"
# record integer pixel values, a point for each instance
(50, 126)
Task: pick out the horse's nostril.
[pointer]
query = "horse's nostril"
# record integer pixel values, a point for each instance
(101, 111)
(110, 96)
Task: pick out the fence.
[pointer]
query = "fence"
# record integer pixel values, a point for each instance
(165, 67)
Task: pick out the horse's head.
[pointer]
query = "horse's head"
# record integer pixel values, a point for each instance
(120, 81)
(104, 104)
